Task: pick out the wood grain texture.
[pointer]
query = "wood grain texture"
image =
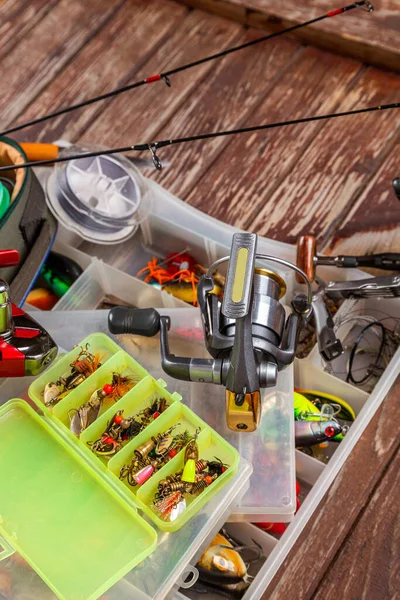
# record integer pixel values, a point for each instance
(37, 59)
(18, 18)
(367, 566)
(373, 223)
(138, 117)
(336, 166)
(372, 38)
(109, 60)
(238, 186)
(233, 90)
(311, 556)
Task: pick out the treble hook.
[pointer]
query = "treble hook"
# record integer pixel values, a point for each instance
(368, 6)
(166, 80)
(156, 161)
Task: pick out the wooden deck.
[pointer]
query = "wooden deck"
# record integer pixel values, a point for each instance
(331, 179)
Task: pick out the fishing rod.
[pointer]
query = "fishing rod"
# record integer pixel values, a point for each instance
(166, 74)
(154, 146)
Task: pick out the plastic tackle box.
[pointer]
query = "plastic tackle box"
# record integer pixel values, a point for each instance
(174, 225)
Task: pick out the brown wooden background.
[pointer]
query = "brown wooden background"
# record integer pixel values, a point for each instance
(332, 179)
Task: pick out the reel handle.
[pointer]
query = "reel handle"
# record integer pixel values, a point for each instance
(138, 321)
(306, 252)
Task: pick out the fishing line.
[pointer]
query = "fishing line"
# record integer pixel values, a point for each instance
(154, 146)
(166, 74)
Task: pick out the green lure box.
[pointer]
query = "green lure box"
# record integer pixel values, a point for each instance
(66, 511)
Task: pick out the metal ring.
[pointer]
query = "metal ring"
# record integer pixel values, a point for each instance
(281, 261)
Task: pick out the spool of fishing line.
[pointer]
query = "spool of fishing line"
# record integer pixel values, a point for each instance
(100, 198)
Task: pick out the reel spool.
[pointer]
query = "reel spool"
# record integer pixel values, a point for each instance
(100, 198)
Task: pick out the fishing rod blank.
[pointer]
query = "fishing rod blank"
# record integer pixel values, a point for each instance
(154, 146)
(166, 74)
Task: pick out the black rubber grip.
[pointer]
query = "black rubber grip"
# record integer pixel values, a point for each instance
(138, 321)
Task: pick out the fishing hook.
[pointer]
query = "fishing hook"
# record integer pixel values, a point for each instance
(156, 161)
(166, 80)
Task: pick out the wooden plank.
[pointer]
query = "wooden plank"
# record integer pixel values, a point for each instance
(373, 223)
(372, 38)
(335, 168)
(310, 557)
(110, 59)
(17, 18)
(139, 117)
(367, 565)
(233, 90)
(240, 183)
(32, 64)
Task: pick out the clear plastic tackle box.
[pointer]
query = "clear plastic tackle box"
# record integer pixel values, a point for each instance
(173, 226)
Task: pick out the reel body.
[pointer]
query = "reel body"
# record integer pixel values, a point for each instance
(247, 335)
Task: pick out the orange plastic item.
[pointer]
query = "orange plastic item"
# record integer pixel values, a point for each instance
(42, 298)
(40, 151)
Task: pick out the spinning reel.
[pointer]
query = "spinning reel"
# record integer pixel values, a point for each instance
(247, 335)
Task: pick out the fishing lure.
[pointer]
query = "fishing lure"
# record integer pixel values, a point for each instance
(310, 433)
(178, 275)
(86, 414)
(83, 366)
(223, 569)
(303, 407)
(60, 272)
(169, 500)
(152, 455)
(120, 429)
(319, 398)
(165, 76)
(191, 457)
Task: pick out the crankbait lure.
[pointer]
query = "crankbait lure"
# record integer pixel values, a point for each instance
(223, 568)
(310, 433)
(319, 398)
(367, 6)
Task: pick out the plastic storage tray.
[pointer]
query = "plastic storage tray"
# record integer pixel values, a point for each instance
(84, 505)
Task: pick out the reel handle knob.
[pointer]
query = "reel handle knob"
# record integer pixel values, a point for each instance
(306, 253)
(139, 321)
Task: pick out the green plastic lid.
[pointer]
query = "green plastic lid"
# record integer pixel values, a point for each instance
(60, 514)
(4, 199)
